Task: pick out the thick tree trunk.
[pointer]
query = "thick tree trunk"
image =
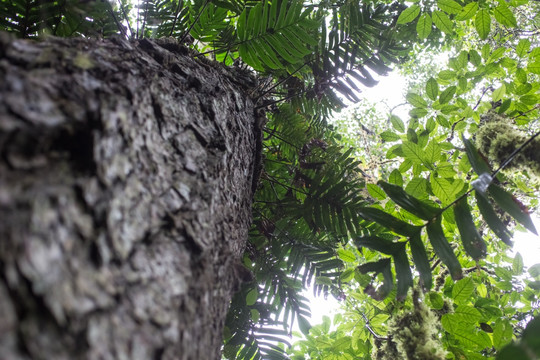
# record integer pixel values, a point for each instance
(125, 195)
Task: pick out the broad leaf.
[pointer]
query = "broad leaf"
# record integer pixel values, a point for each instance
(482, 22)
(409, 203)
(423, 27)
(512, 206)
(432, 89)
(443, 249)
(421, 261)
(471, 239)
(409, 14)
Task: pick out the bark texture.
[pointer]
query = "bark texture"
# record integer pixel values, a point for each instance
(125, 197)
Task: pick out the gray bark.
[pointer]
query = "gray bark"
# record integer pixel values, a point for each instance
(125, 197)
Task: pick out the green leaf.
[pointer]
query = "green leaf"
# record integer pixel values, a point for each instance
(502, 334)
(523, 47)
(412, 152)
(423, 27)
(444, 189)
(346, 255)
(482, 22)
(512, 206)
(471, 239)
(382, 266)
(421, 261)
(462, 290)
(432, 89)
(395, 178)
(450, 6)
(376, 191)
(447, 95)
(418, 113)
(498, 93)
(388, 221)
(397, 123)
(491, 218)
(417, 187)
(517, 264)
(251, 297)
(534, 270)
(442, 248)
(409, 14)
(442, 22)
(478, 164)
(504, 16)
(378, 244)
(409, 203)
(534, 67)
(347, 275)
(403, 272)
(468, 11)
(304, 325)
(390, 136)
(416, 100)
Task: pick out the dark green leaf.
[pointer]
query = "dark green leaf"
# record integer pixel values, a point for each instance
(378, 244)
(388, 221)
(512, 206)
(491, 218)
(421, 261)
(478, 164)
(471, 239)
(443, 249)
(403, 272)
(409, 203)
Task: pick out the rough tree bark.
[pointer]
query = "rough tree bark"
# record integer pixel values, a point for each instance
(125, 195)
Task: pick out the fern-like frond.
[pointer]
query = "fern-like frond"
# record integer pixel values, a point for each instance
(272, 35)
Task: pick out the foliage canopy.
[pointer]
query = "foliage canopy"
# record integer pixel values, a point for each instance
(319, 218)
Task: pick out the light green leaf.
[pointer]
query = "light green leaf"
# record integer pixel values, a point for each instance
(418, 113)
(444, 189)
(442, 21)
(423, 27)
(397, 123)
(504, 16)
(409, 14)
(417, 187)
(347, 275)
(390, 136)
(416, 100)
(498, 93)
(517, 264)
(468, 11)
(412, 152)
(523, 47)
(534, 68)
(346, 255)
(462, 290)
(432, 89)
(502, 333)
(376, 191)
(482, 23)
(450, 6)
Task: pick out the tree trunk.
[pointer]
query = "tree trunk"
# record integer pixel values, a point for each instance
(125, 198)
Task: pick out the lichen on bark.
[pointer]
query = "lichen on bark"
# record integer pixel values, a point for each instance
(125, 197)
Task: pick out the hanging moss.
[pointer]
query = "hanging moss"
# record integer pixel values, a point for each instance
(412, 335)
(498, 137)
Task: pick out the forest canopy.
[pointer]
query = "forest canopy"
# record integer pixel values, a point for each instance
(408, 220)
